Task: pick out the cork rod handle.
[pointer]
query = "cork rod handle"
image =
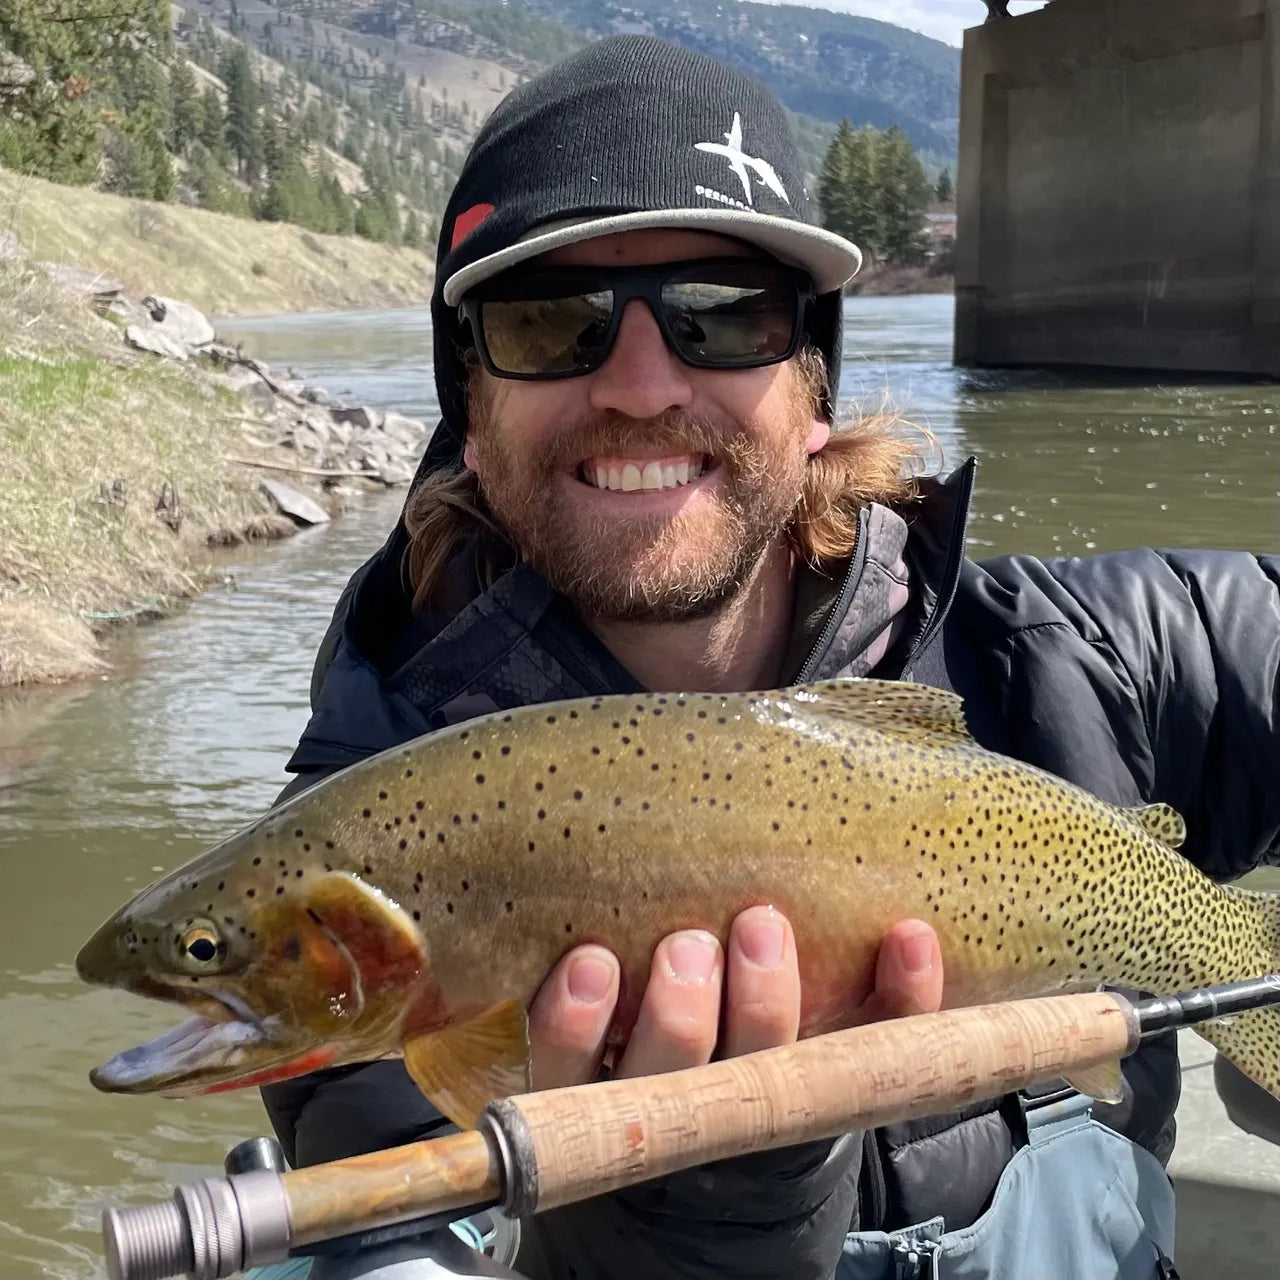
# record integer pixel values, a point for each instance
(386, 1187)
(569, 1144)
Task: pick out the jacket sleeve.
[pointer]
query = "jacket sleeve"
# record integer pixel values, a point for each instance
(1163, 667)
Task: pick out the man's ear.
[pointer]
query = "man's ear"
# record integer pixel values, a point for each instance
(819, 434)
(468, 454)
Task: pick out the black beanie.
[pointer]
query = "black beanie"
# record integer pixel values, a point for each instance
(630, 132)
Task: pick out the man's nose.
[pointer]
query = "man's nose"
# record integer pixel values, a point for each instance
(642, 376)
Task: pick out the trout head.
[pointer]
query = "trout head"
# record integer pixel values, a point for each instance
(285, 966)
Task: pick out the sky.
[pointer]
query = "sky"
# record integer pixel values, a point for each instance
(942, 19)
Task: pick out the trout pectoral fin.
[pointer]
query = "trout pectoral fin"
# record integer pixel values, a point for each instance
(1104, 1081)
(465, 1067)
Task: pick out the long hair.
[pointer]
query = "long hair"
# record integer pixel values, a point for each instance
(872, 459)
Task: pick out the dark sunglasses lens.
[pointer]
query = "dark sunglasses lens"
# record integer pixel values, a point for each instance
(726, 323)
(547, 337)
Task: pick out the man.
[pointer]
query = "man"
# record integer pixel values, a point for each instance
(638, 482)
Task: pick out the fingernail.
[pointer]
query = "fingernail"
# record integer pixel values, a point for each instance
(693, 956)
(762, 941)
(589, 980)
(917, 953)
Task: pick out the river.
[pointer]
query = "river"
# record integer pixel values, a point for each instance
(107, 784)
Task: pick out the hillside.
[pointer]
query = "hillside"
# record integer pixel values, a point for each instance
(221, 264)
(352, 117)
(461, 58)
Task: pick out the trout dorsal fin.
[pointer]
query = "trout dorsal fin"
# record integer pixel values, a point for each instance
(890, 705)
(1161, 822)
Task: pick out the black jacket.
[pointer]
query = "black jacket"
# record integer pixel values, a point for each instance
(1143, 676)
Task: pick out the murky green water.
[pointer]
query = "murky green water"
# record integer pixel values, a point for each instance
(104, 786)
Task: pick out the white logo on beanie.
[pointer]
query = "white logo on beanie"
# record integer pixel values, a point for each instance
(731, 150)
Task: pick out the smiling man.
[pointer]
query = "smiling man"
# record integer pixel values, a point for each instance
(639, 482)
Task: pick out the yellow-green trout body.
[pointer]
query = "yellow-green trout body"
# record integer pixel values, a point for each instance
(413, 903)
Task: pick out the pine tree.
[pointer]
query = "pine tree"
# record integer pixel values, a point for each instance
(187, 108)
(866, 214)
(140, 164)
(833, 182)
(243, 128)
(944, 192)
(59, 68)
(847, 188)
(213, 124)
(904, 196)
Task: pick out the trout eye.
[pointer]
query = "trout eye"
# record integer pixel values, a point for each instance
(199, 947)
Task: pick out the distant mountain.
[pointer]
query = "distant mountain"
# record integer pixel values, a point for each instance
(820, 63)
(823, 65)
(393, 91)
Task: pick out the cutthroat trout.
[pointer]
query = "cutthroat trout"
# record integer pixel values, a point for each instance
(412, 904)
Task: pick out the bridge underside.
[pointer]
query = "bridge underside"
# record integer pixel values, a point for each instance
(1119, 187)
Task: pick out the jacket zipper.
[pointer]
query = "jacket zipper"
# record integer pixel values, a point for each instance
(851, 574)
(959, 532)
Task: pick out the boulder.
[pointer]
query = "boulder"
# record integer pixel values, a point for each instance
(180, 320)
(394, 473)
(360, 416)
(81, 282)
(297, 506)
(146, 337)
(320, 424)
(130, 311)
(10, 245)
(408, 430)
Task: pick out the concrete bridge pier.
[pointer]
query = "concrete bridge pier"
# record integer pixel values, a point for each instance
(1119, 187)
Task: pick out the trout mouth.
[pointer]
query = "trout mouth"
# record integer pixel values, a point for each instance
(214, 1049)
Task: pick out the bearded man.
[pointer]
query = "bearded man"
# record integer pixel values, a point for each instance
(638, 482)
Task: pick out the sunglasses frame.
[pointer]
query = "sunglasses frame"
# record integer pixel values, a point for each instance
(544, 283)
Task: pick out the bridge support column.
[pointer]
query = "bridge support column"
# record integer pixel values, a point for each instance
(1119, 187)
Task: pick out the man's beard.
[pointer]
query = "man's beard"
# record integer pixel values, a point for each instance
(634, 567)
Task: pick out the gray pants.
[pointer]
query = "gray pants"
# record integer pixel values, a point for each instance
(1079, 1202)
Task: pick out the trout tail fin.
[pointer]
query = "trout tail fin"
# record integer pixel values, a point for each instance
(1251, 1041)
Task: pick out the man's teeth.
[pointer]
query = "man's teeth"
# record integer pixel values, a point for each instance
(630, 476)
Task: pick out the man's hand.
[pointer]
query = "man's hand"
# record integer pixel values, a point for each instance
(679, 1023)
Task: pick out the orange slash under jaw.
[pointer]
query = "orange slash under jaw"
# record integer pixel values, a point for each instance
(313, 1060)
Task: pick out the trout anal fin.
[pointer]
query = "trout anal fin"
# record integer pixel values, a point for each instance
(1105, 1081)
(464, 1067)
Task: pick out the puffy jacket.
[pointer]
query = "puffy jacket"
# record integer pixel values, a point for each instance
(1143, 676)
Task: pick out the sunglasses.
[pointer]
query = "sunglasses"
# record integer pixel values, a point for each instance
(561, 322)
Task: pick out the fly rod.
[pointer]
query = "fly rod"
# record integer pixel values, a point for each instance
(540, 1150)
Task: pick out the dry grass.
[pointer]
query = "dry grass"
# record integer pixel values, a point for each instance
(221, 264)
(43, 643)
(93, 440)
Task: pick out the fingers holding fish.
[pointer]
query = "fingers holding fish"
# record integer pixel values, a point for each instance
(762, 1001)
(569, 1018)
(909, 973)
(679, 1021)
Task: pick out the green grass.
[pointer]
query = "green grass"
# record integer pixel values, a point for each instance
(92, 438)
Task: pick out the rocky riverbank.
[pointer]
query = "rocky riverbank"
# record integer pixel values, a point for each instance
(132, 440)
